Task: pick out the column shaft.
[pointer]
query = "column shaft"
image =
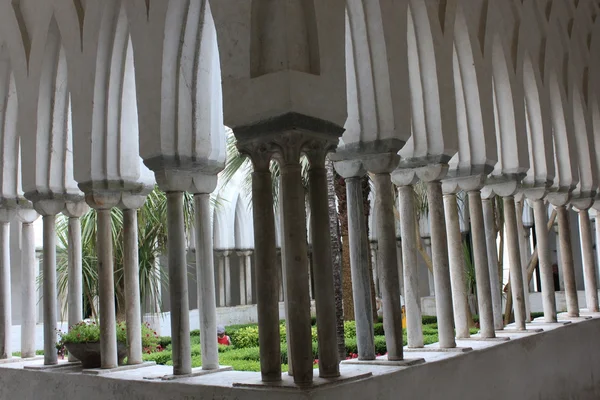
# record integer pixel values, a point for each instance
(28, 297)
(228, 285)
(267, 282)
(323, 273)
(131, 269)
(589, 265)
(49, 288)
(106, 291)
(248, 278)
(514, 259)
(221, 280)
(540, 215)
(359, 262)
(524, 252)
(412, 300)
(75, 280)
(457, 267)
(375, 263)
(207, 306)
(492, 255)
(566, 259)
(242, 282)
(5, 298)
(388, 266)
(441, 271)
(482, 272)
(178, 285)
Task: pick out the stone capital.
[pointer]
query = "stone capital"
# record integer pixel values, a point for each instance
(582, 203)
(244, 253)
(350, 168)
(466, 183)
(49, 207)
(76, 209)
(404, 177)
(558, 199)
(26, 215)
(502, 186)
(381, 163)
(175, 180)
(535, 193)
(432, 172)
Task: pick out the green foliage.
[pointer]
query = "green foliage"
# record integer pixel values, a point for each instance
(378, 329)
(429, 319)
(89, 332)
(161, 357)
(245, 337)
(164, 341)
(349, 329)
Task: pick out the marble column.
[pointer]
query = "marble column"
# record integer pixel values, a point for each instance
(457, 266)
(28, 279)
(352, 172)
(106, 290)
(227, 267)
(589, 265)
(322, 261)
(221, 272)
(178, 285)
(74, 211)
(242, 273)
(540, 215)
(524, 252)
(566, 259)
(267, 276)
(388, 266)
(400, 265)
(482, 272)
(514, 260)
(441, 271)
(412, 300)
(492, 256)
(205, 276)
(430, 278)
(374, 263)
(248, 257)
(131, 272)
(5, 286)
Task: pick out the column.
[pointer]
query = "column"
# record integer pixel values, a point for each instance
(221, 279)
(589, 265)
(441, 272)
(178, 285)
(227, 264)
(388, 266)
(430, 279)
(131, 272)
(514, 259)
(412, 300)
(5, 297)
(267, 276)
(566, 260)
(106, 290)
(400, 265)
(523, 250)
(492, 256)
(322, 263)
(49, 289)
(205, 273)
(242, 270)
(374, 263)
(482, 272)
(457, 266)
(28, 280)
(540, 215)
(248, 256)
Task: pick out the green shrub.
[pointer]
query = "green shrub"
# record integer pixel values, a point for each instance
(350, 346)
(429, 319)
(164, 341)
(380, 345)
(349, 329)
(378, 328)
(161, 357)
(245, 337)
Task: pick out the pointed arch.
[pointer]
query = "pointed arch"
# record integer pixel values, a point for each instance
(9, 154)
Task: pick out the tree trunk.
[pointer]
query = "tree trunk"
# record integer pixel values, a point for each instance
(348, 302)
(336, 259)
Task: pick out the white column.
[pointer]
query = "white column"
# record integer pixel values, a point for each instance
(28, 279)
(590, 279)
(540, 214)
(248, 256)
(131, 270)
(49, 288)
(5, 297)
(221, 279)
(207, 307)
(430, 280)
(514, 259)
(492, 255)
(374, 263)
(566, 258)
(524, 252)
(242, 272)
(228, 287)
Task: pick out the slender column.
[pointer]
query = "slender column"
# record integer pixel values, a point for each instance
(221, 279)
(514, 259)
(540, 215)
(523, 250)
(106, 290)
(457, 267)
(430, 279)
(441, 272)
(49, 288)
(400, 265)
(248, 256)
(388, 266)
(267, 276)
(178, 285)
(75, 294)
(359, 261)
(375, 264)
(227, 278)
(28, 297)
(296, 268)
(131, 269)
(242, 271)
(589, 265)
(482, 272)
(597, 223)
(5, 298)
(492, 256)
(283, 294)
(322, 267)
(412, 301)
(566, 259)
(207, 306)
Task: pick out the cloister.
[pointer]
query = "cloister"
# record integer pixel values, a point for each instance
(102, 99)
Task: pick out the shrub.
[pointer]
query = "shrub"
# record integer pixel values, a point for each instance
(349, 329)
(380, 345)
(351, 347)
(429, 319)
(161, 357)
(245, 337)
(164, 341)
(378, 328)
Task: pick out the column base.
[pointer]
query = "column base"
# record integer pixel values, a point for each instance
(383, 361)
(195, 372)
(435, 347)
(287, 382)
(103, 371)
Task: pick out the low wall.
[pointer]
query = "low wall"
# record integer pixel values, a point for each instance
(562, 363)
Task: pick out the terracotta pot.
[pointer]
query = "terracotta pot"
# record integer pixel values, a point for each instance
(89, 353)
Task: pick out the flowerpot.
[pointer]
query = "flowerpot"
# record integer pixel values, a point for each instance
(89, 353)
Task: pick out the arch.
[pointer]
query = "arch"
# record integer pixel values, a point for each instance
(243, 227)
(9, 154)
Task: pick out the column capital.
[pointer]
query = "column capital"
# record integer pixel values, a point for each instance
(350, 168)
(501, 185)
(559, 199)
(582, 204)
(453, 185)
(432, 172)
(535, 193)
(404, 177)
(244, 253)
(104, 195)
(26, 214)
(76, 209)
(381, 163)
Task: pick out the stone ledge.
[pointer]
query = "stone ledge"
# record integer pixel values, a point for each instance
(407, 362)
(195, 372)
(103, 371)
(287, 382)
(60, 365)
(436, 348)
(482, 339)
